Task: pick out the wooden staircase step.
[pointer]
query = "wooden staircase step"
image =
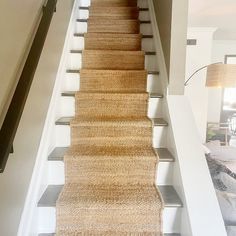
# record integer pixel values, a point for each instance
(164, 234)
(147, 53)
(67, 120)
(113, 60)
(139, 8)
(114, 3)
(169, 195)
(124, 13)
(147, 36)
(103, 21)
(159, 122)
(73, 93)
(101, 25)
(78, 71)
(58, 154)
(124, 42)
(52, 234)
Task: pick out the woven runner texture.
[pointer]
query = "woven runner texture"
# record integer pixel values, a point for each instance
(110, 167)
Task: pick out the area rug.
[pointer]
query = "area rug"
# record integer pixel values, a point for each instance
(111, 165)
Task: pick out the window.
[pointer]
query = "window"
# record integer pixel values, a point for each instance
(229, 103)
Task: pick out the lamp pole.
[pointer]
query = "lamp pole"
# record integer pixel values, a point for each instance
(186, 83)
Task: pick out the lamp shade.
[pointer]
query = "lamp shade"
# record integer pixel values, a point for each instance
(221, 76)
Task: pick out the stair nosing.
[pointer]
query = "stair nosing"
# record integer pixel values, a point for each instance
(51, 194)
(73, 93)
(53, 234)
(147, 53)
(140, 21)
(75, 71)
(139, 8)
(58, 154)
(149, 36)
(157, 122)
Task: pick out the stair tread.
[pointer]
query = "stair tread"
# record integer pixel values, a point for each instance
(165, 155)
(159, 122)
(123, 3)
(111, 121)
(147, 53)
(67, 120)
(149, 36)
(139, 8)
(114, 13)
(58, 154)
(113, 59)
(51, 194)
(171, 234)
(72, 94)
(52, 234)
(110, 20)
(78, 71)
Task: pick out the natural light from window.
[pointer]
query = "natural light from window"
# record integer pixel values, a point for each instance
(230, 93)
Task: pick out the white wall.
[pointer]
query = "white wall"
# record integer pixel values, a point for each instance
(17, 23)
(220, 48)
(197, 93)
(170, 33)
(14, 182)
(178, 46)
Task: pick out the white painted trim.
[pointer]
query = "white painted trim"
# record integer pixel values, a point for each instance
(39, 168)
(158, 46)
(192, 179)
(209, 30)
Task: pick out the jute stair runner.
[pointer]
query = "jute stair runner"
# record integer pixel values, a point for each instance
(103, 25)
(114, 12)
(109, 41)
(113, 60)
(110, 167)
(113, 80)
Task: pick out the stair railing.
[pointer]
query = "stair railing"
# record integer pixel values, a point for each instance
(17, 104)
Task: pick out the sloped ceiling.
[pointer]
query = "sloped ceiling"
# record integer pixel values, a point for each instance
(214, 13)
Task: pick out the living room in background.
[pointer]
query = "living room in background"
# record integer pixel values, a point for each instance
(229, 95)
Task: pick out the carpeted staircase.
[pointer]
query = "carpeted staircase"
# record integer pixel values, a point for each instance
(110, 167)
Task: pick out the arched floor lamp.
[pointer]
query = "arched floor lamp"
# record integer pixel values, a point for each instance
(219, 75)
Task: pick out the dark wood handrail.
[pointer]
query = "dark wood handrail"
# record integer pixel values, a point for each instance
(15, 110)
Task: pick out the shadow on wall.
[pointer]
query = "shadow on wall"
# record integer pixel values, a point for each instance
(163, 10)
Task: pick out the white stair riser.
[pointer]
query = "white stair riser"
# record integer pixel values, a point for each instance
(143, 15)
(56, 173)
(141, 3)
(164, 175)
(67, 107)
(147, 44)
(145, 29)
(171, 220)
(63, 136)
(72, 83)
(83, 14)
(47, 220)
(75, 63)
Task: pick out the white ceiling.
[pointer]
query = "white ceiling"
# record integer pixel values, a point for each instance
(214, 13)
